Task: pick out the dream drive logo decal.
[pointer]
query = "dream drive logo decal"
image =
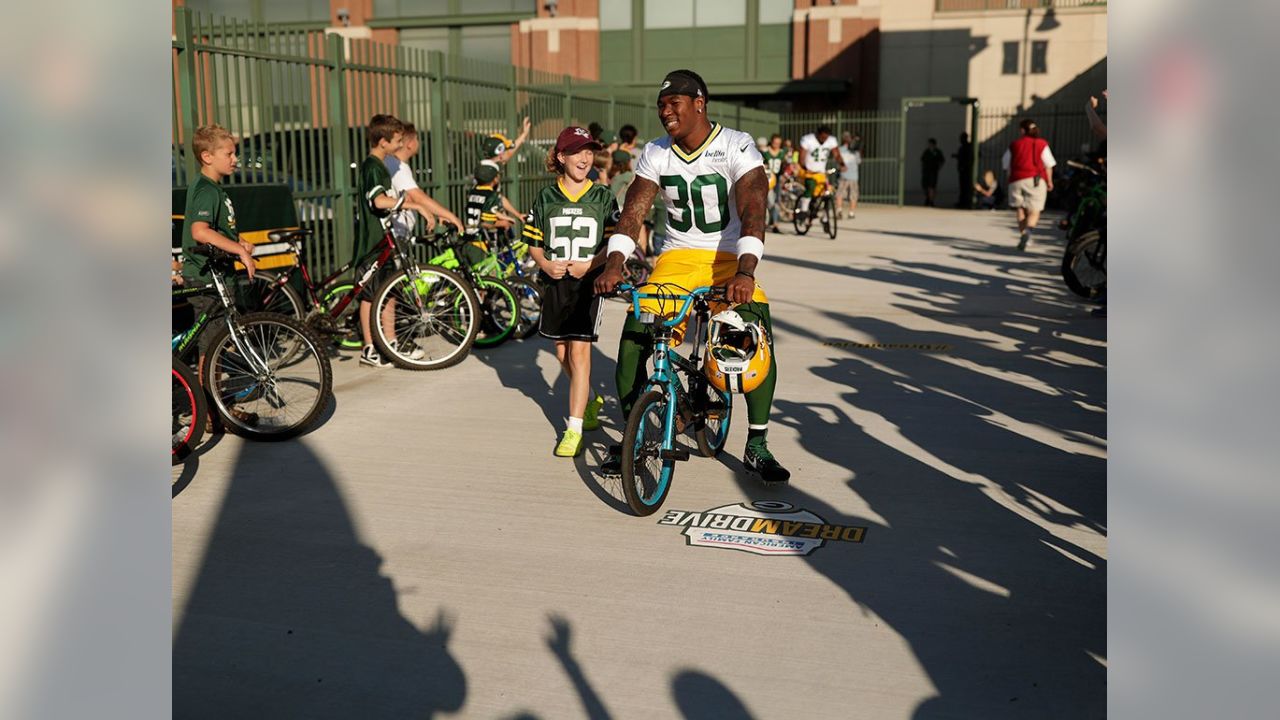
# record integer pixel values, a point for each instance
(761, 528)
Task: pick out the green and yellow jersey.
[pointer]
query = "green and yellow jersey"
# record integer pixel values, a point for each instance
(483, 204)
(571, 227)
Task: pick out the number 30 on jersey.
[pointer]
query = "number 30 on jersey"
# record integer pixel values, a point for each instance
(691, 199)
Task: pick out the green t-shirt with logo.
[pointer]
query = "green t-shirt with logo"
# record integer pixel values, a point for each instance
(374, 180)
(206, 202)
(773, 161)
(569, 228)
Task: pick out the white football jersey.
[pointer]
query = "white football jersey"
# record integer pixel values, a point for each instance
(697, 188)
(816, 161)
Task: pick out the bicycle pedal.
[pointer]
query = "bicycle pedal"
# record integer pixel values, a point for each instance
(674, 454)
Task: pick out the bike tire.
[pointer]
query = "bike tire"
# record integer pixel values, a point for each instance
(444, 325)
(801, 223)
(713, 433)
(499, 311)
(349, 320)
(266, 293)
(1084, 267)
(284, 343)
(646, 484)
(829, 208)
(190, 411)
(530, 300)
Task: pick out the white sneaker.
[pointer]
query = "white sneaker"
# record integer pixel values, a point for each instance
(417, 354)
(370, 356)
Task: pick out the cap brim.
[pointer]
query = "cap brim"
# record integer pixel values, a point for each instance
(578, 146)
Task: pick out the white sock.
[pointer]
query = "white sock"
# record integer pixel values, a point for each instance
(804, 204)
(575, 424)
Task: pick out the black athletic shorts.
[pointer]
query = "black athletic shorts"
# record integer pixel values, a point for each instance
(375, 282)
(570, 308)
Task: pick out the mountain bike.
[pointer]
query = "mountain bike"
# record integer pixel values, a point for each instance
(791, 190)
(822, 207)
(190, 411)
(510, 261)
(678, 397)
(265, 372)
(330, 307)
(500, 308)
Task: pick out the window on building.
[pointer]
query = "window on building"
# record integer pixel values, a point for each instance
(1010, 65)
(238, 9)
(615, 14)
(491, 43)
(775, 12)
(720, 13)
(1039, 57)
(426, 38)
(295, 11)
(660, 14)
(409, 8)
(472, 7)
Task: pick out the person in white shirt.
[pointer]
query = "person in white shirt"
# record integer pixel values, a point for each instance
(712, 181)
(405, 222)
(816, 149)
(847, 190)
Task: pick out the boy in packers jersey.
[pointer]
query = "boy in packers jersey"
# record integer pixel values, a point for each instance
(713, 184)
(816, 150)
(483, 211)
(565, 230)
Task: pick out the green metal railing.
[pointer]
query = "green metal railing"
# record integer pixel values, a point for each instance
(980, 5)
(299, 99)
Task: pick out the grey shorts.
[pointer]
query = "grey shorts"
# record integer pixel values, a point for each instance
(1027, 193)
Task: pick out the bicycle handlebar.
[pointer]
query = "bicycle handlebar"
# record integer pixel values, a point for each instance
(711, 292)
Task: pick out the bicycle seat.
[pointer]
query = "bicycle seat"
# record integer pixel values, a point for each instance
(294, 235)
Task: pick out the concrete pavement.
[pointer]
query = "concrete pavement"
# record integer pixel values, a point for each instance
(422, 553)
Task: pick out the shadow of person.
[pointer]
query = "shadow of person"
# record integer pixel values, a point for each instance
(1006, 621)
(559, 641)
(700, 696)
(290, 615)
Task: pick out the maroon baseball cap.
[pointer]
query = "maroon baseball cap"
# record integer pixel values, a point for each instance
(574, 138)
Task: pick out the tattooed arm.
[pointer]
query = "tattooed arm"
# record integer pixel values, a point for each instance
(751, 192)
(637, 203)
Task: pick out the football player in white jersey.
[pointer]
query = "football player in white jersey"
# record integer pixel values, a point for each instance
(816, 150)
(714, 188)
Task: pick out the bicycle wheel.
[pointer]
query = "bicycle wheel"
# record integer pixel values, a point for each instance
(190, 410)
(1084, 265)
(348, 323)
(530, 300)
(433, 318)
(646, 476)
(265, 293)
(274, 383)
(802, 221)
(499, 311)
(829, 216)
(714, 431)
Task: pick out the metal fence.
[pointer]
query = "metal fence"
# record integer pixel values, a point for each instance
(299, 100)
(880, 132)
(977, 5)
(1065, 127)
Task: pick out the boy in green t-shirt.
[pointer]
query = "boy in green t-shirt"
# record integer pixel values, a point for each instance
(484, 210)
(385, 135)
(775, 161)
(209, 218)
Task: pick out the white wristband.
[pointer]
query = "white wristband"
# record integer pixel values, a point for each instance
(748, 245)
(621, 244)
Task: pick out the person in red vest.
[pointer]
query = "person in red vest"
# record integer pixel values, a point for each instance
(1029, 165)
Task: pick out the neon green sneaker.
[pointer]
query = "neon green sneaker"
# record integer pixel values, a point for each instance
(570, 444)
(591, 418)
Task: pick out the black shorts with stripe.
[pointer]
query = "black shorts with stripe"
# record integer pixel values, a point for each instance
(570, 308)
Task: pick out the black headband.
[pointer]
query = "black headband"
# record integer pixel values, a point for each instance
(680, 83)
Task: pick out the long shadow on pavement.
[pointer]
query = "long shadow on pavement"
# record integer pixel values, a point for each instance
(290, 615)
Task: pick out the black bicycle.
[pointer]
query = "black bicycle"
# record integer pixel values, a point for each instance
(1084, 262)
(821, 208)
(265, 372)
